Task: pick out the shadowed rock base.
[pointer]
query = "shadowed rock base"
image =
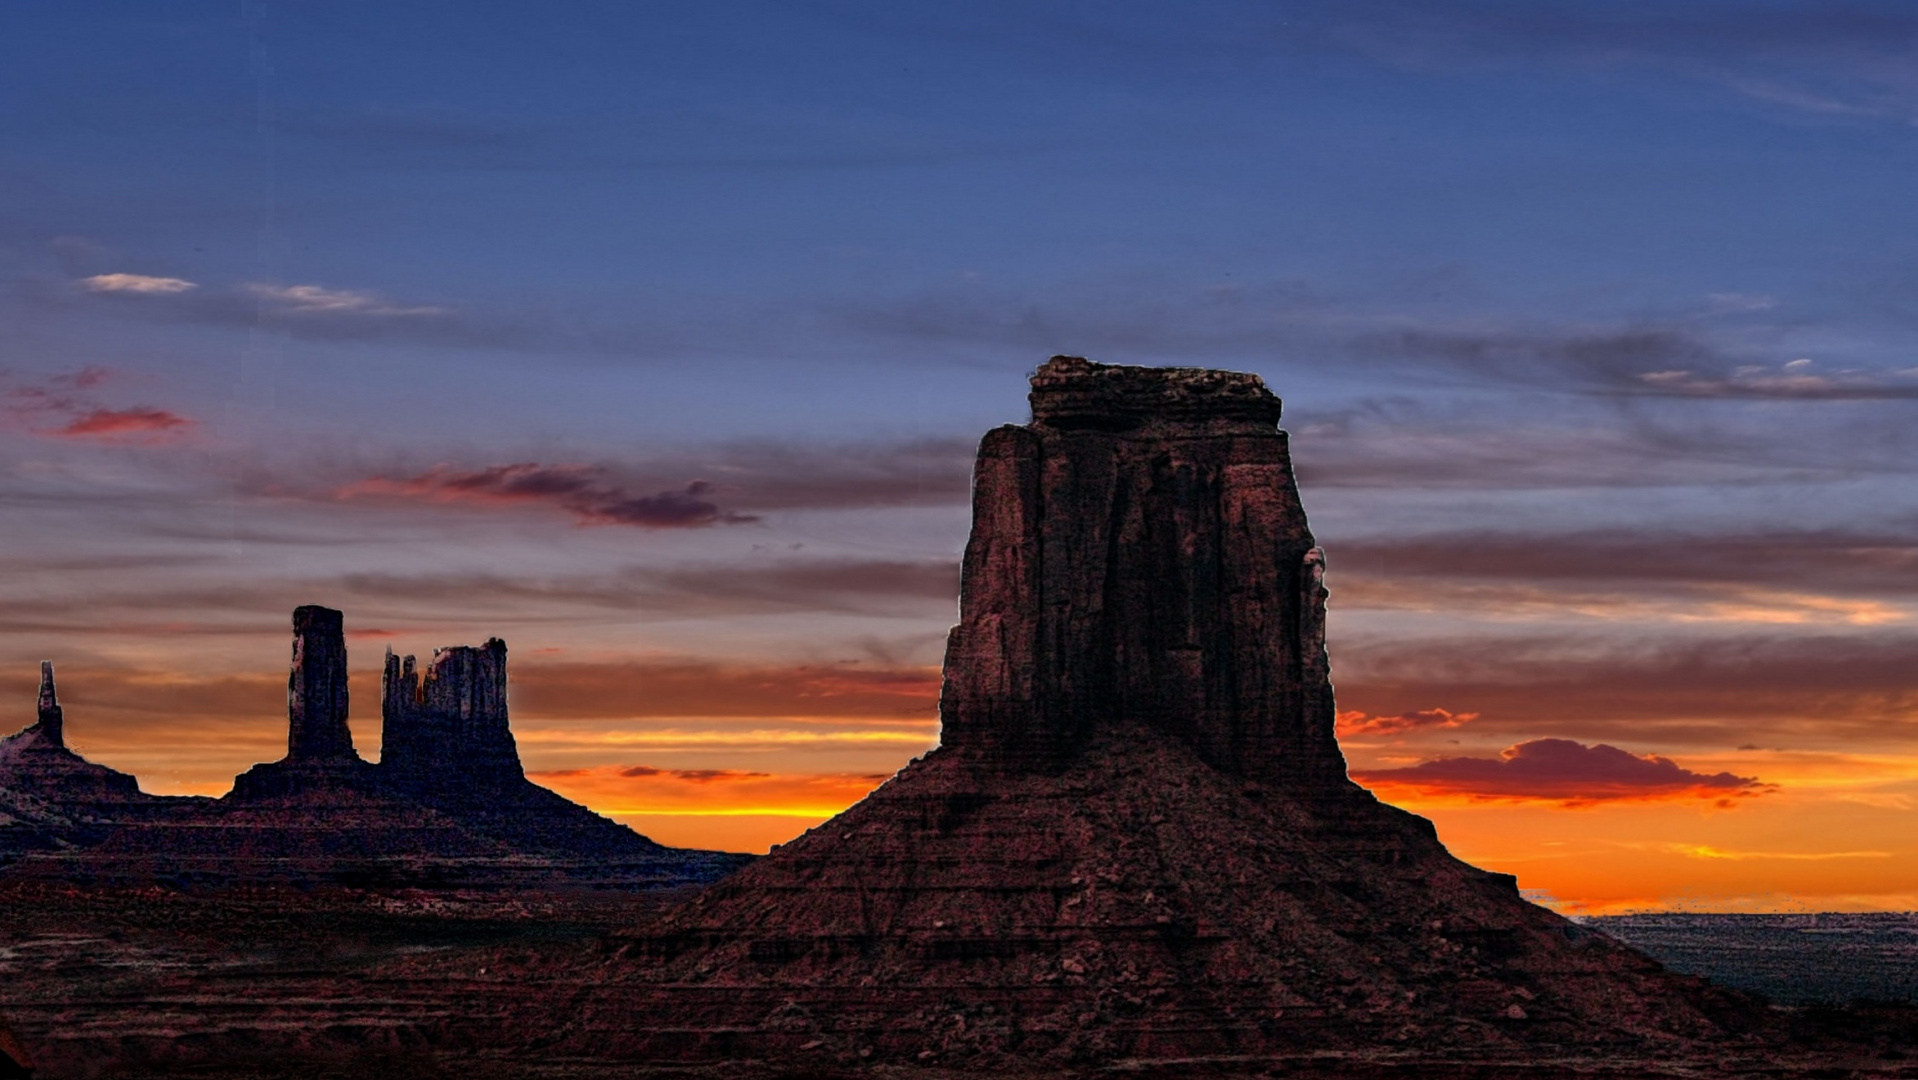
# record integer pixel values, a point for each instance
(1138, 904)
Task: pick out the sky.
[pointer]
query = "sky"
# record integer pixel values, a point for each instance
(656, 339)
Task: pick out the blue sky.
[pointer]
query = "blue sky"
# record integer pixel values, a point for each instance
(660, 334)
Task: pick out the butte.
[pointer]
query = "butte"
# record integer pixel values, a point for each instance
(1136, 840)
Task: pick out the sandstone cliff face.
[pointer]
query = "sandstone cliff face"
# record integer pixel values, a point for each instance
(1139, 554)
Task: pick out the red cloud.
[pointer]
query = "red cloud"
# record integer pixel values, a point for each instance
(585, 491)
(62, 408)
(1564, 772)
(1359, 723)
(135, 423)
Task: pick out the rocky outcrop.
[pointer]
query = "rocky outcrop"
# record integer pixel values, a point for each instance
(1139, 555)
(448, 805)
(316, 688)
(320, 758)
(1136, 839)
(52, 799)
(448, 744)
(448, 729)
(36, 761)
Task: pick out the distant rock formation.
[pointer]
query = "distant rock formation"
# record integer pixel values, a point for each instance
(448, 805)
(447, 743)
(53, 799)
(457, 713)
(320, 758)
(316, 688)
(1137, 839)
(36, 761)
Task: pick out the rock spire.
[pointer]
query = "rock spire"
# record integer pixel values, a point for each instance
(316, 688)
(52, 722)
(1139, 554)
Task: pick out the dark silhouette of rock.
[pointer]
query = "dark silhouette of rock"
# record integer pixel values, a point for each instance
(447, 743)
(457, 713)
(320, 758)
(448, 806)
(52, 799)
(316, 688)
(51, 721)
(36, 761)
(1137, 839)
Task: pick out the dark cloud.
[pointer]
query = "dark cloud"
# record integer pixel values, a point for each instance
(1809, 689)
(696, 688)
(587, 492)
(1833, 561)
(753, 477)
(1564, 772)
(692, 776)
(1635, 361)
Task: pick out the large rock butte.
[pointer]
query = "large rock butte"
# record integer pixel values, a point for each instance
(1136, 839)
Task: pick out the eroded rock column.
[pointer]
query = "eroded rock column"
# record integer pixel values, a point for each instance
(316, 688)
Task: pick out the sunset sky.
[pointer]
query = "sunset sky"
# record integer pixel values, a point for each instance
(656, 339)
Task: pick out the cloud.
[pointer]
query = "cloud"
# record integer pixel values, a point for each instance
(681, 688)
(621, 790)
(300, 300)
(140, 423)
(1806, 689)
(64, 406)
(1829, 61)
(1356, 723)
(136, 283)
(1713, 854)
(1561, 771)
(585, 491)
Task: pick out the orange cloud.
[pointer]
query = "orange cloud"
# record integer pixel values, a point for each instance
(1355, 722)
(1563, 772)
(644, 790)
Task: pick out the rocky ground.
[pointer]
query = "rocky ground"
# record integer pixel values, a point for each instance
(339, 983)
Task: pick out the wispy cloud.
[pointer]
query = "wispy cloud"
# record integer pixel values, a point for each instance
(1353, 723)
(1564, 772)
(585, 491)
(316, 300)
(652, 790)
(66, 407)
(136, 283)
